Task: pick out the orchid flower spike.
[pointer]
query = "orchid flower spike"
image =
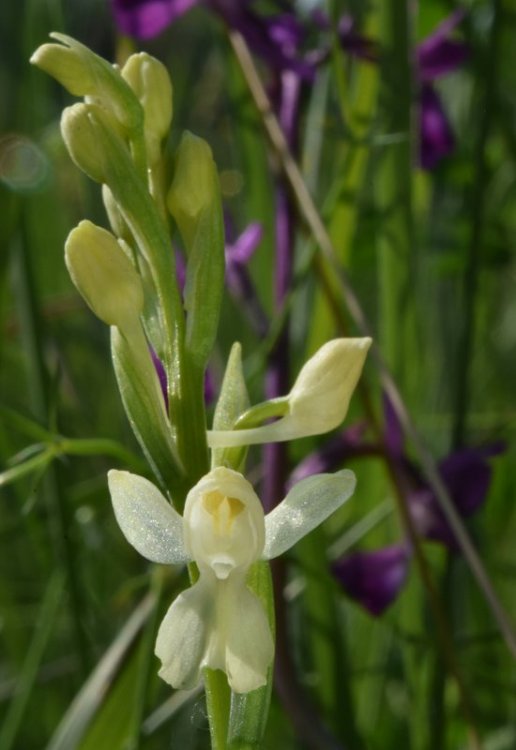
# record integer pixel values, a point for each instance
(218, 622)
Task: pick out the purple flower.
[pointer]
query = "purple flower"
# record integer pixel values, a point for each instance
(275, 38)
(240, 251)
(437, 56)
(467, 475)
(436, 135)
(374, 579)
(144, 19)
(238, 254)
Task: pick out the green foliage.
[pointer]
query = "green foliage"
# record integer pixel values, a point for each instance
(77, 665)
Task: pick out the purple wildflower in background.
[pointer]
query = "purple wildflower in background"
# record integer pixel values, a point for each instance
(374, 579)
(239, 252)
(467, 475)
(278, 38)
(144, 19)
(437, 56)
(333, 452)
(274, 37)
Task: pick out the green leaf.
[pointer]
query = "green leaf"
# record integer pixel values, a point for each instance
(79, 717)
(44, 629)
(204, 284)
(145, 409)
(29, 466)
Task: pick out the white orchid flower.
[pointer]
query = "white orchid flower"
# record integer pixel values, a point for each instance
(218, 622)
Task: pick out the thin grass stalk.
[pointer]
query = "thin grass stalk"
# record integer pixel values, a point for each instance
(46, 626)
(59, 524)
(396, 246)
(486, 111)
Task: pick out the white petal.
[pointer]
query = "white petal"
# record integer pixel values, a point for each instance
(147, 520)
(309, 503)
(249, 644)
(183, 636)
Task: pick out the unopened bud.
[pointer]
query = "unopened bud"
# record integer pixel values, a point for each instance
(150, 81)
(89, 136)
(83, 73)
(319, 399)
(194, 186)
(104, 275)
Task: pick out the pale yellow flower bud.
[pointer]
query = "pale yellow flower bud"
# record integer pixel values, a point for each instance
(63, 64)
(83, 140)
(150, 81)
(319, 399)
(104, 275)
(194, 186)
(83, 73)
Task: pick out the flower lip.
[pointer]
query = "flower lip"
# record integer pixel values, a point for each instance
(224, 525)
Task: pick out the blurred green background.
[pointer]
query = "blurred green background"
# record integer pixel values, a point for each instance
(431, 256)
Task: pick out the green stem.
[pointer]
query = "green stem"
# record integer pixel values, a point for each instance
(185, 380)
(394, 184)
(477, 222)
(218, 702)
